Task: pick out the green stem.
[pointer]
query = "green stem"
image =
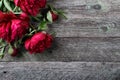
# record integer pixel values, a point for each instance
(34, 29)
(37, 19)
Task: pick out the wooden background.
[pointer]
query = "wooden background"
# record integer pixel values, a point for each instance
(87, 45)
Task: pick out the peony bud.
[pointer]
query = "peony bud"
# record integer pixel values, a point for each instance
(54, 16)
(14, 52)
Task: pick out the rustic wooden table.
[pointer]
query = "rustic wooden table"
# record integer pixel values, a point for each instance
(87, 46)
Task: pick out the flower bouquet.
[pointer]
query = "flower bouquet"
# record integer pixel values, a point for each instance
(18, 28)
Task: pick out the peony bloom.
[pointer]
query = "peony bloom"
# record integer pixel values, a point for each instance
(30, 7)
(13, 27)
(38, 42)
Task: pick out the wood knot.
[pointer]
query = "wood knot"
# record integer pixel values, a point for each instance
(97, 6)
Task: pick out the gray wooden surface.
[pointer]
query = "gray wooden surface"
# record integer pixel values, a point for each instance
(59, 71)
(87, 46)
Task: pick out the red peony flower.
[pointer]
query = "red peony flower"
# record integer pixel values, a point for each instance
(13, 27)
(38, 42)
(30, 7)
(15, 52)
(54, 16)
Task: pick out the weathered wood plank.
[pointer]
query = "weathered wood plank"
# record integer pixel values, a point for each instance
(77, 49)
(59, 71)
(88, 18)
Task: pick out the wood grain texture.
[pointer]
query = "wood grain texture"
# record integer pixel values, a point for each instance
(84, 35)
(59, 71)
(77, 49)
(88, 18)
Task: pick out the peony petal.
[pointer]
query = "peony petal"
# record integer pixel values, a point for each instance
(27, 44)
(16, 2)
(31, 7)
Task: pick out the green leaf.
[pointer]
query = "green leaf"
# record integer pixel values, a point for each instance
(2, 52)
(11, 0)
(1, 40)
(4, 9)
(53, 34)
(7, 5)
(49, 17)
(1, 56)
(51, 7)
(10, 50)
(43, 26)
(1, 2)
(2, 44)
(61, 13)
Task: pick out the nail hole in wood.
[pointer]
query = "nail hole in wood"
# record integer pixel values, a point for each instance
(4, 72)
